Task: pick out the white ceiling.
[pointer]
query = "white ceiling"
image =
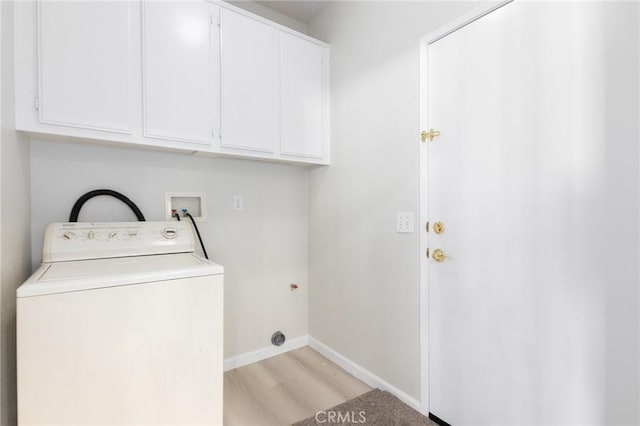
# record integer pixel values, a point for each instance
(300, 10)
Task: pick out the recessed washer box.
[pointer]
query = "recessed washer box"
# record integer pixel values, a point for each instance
(194, 202)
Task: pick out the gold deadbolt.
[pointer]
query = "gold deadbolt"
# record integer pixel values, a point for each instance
(438, 228)
(438, 255)
(424, 135)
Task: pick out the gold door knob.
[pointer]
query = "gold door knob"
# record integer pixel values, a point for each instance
(438, 227)
(438, 255)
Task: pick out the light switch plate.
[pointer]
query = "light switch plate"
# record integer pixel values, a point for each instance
(238, 203)
(404, 223)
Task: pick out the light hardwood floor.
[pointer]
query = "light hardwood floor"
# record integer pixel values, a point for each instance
(284, 389)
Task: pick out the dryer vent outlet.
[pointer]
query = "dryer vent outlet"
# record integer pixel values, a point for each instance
(278, 338)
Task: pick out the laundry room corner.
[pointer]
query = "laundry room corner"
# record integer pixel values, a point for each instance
(360, 267)
(15, 224)
(306, 212)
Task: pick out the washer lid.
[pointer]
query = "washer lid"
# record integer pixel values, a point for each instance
(64, 277)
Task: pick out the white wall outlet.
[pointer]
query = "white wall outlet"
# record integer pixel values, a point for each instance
(194, 202)
(237, 203)
(404, 223)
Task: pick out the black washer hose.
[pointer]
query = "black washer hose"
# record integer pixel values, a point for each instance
(204, 250)
(75, 211)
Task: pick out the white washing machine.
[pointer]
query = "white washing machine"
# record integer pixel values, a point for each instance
(121, 325)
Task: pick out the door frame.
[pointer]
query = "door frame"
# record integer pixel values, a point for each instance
(473, 15)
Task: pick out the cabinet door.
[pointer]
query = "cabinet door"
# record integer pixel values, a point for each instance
(301, 97)
(249, 83)
(181, 69)
(85, 58)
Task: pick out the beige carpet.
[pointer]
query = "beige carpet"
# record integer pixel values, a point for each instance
(375, 407)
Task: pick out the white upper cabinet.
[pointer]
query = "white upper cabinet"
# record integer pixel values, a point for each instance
(85, 65)
(302, 80)
(200, 76)
(181, 70)
(250, 111)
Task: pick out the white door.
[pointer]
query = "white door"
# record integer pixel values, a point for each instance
(86, 64)
(250, 75)
(301, 97)
(181, 66)
(533, 314)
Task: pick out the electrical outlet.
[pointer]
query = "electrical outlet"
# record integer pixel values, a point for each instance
(404, 223)
(237, 203)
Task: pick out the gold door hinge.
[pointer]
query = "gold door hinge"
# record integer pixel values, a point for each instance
(424, 135)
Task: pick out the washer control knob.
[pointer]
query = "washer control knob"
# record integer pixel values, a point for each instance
(170, 233)
(91, 235)
(112, 234)
(68, 235)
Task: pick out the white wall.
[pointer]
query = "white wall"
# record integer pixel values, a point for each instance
(263, 248)
(270, 14)
(15, 222)
(364, 276)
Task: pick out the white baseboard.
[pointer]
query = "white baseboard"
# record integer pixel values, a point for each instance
(363, 374)
(351, 367)
(264, 353)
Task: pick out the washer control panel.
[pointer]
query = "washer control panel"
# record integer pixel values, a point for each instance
(96, 240)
